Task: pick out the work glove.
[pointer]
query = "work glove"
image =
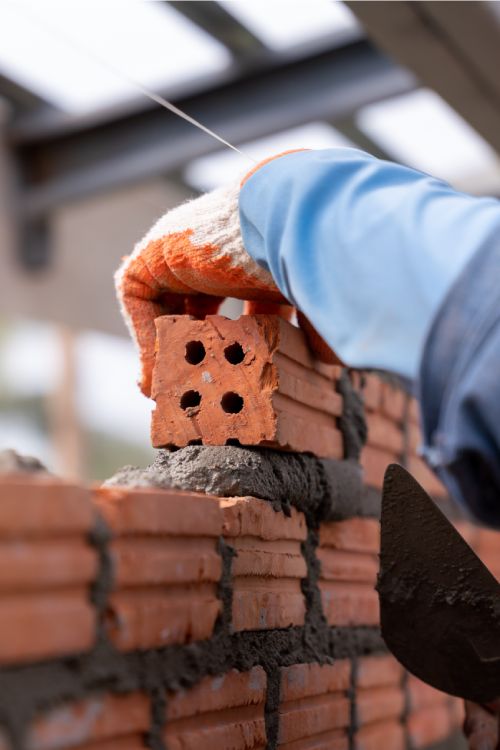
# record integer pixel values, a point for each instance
(188, 262)
(481, 725)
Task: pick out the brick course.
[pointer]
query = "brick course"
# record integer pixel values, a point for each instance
(166, 566)
(134, 618)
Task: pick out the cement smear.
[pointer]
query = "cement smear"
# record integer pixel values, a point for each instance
(325, 489)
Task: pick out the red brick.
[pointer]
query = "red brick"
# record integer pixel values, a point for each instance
(470, 533)
(268, 565)
(314, 715)
(102, 717)
(249, 516)
(414, 411)
(376, 704)
(384, 735)
(430, 725)
(166, 566)
(374, 462)
(219, 712)
(424, 476)
(166, 560)
(152, 618)
(228, 690)
(378, 671)
(414, 437)
(289, 401)
(393, 402)
(263, 604)
(133, 742)
(421, 695)
(457, 711)
(338, 565)
(336, 740)
(353, 535)
(40, 626)
(159, 512)
(40, 564)
(372, 392)
(42, 506)
(314, 705)
(384, 433)
(349, 603)
(305, 680)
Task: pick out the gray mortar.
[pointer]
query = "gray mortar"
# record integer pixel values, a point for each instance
(324, 489)
(352, 423)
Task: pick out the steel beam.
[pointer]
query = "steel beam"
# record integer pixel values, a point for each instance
(223, 26)
(75, 161)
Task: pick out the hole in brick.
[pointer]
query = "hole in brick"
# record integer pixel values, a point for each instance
(195, 352)
(196, 441)
(231, 402)
(233, 441)
(234, 353)
(190, 399)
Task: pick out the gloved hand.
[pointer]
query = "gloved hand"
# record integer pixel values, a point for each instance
(188, 262)
(481, 725)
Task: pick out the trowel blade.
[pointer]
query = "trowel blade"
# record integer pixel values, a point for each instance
(439, 605)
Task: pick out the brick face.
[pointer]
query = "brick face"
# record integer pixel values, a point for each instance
(166, 566)
(46, 569)
(314, 704)
(251, 379)
(95, 719)
(348, 558)
(149, 605)
(268, 564)
(220, 712)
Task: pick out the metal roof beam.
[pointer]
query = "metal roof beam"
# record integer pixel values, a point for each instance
(223, 26)
(66, 165)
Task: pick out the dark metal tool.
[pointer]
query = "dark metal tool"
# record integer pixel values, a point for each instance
(439, 605)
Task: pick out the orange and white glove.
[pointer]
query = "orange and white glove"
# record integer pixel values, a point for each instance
(188, 262)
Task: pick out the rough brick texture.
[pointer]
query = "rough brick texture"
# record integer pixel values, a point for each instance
(251, 380)
(268, 564)
(157, 618)
(166, 566)
(348, 562)
(315, 706)
(46, 568)
(219, 712)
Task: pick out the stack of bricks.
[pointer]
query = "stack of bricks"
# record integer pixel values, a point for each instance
(174, 619)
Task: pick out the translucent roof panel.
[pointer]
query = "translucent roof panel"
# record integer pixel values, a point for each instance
(209, 172)
(61, 50)
(280, 24)
(421, 130)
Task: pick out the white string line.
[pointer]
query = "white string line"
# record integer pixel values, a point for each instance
(130, 79)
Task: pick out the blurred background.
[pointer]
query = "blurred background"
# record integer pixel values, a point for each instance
(87, 162)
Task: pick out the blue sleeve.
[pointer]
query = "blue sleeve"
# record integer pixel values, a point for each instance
(367, 249)
(459, 387)
(399, 272)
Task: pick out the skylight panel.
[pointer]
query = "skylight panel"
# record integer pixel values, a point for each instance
(56, 49)
(209, 172)
(283, 23)
(421, 130)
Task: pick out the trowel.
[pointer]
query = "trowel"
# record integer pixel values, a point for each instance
(439, 604)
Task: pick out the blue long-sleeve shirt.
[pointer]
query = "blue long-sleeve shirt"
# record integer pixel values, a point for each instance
(399, 272)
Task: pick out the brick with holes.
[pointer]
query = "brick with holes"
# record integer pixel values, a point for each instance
(251, 380)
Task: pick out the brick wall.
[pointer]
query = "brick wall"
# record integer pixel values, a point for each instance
(134, 617)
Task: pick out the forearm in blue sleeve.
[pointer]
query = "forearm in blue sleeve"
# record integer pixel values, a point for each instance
(366, 249)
